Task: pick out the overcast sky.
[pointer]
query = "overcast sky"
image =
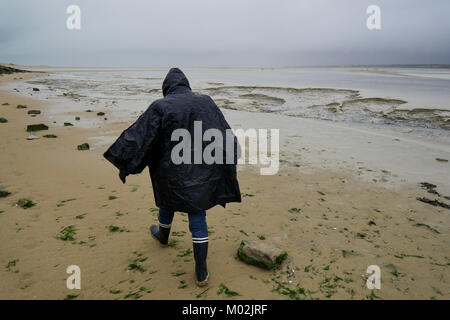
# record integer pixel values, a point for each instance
(224, 33)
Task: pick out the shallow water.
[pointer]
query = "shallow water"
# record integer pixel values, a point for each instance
(399, 97)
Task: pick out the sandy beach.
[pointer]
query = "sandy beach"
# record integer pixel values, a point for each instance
(344, 198)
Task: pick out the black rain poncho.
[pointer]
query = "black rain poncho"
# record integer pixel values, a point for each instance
(179, 187)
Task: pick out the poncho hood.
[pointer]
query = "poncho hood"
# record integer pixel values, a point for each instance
(175, 81)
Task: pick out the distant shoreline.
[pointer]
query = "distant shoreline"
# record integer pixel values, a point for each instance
(356, 66)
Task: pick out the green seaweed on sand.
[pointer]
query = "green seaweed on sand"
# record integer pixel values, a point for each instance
(25, 203)
(11, 265)
(113, 228)
(67, 233)
(202, 293)
(225, 290)
(178, 233)
(133, 295)
(136, 265)
(63, 202)
(185, 253)
(298, 293)
(112, 291)
(154, 210)
(173, 243)
(243, 232)
(372, 296)
(361, 235)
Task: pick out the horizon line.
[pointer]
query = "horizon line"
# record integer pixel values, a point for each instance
(416, 65)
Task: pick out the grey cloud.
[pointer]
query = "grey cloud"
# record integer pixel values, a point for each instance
(232, 32)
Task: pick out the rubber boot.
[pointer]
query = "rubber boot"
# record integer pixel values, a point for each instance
(161, 234)
(200, 254)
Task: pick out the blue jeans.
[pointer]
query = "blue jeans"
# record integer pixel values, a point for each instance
(197, 224)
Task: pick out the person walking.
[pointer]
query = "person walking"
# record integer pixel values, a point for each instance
(192, 187)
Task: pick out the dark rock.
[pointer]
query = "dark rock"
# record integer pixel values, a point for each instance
(34, 112)
(36, 89)
(50, 136)
(77, 118)
(3, 120)
(84, 146)
(9, 70)
(100, 113)
(36, 127)
(431, 188)
(428, 186)
(441, 160)
(261, 254)
(435, 203)
(21, 106)
(4, 193)
(68, 124)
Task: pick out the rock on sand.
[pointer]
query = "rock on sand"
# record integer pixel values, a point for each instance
(262, 255)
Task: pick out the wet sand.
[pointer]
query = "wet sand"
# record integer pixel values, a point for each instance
(334, 216)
